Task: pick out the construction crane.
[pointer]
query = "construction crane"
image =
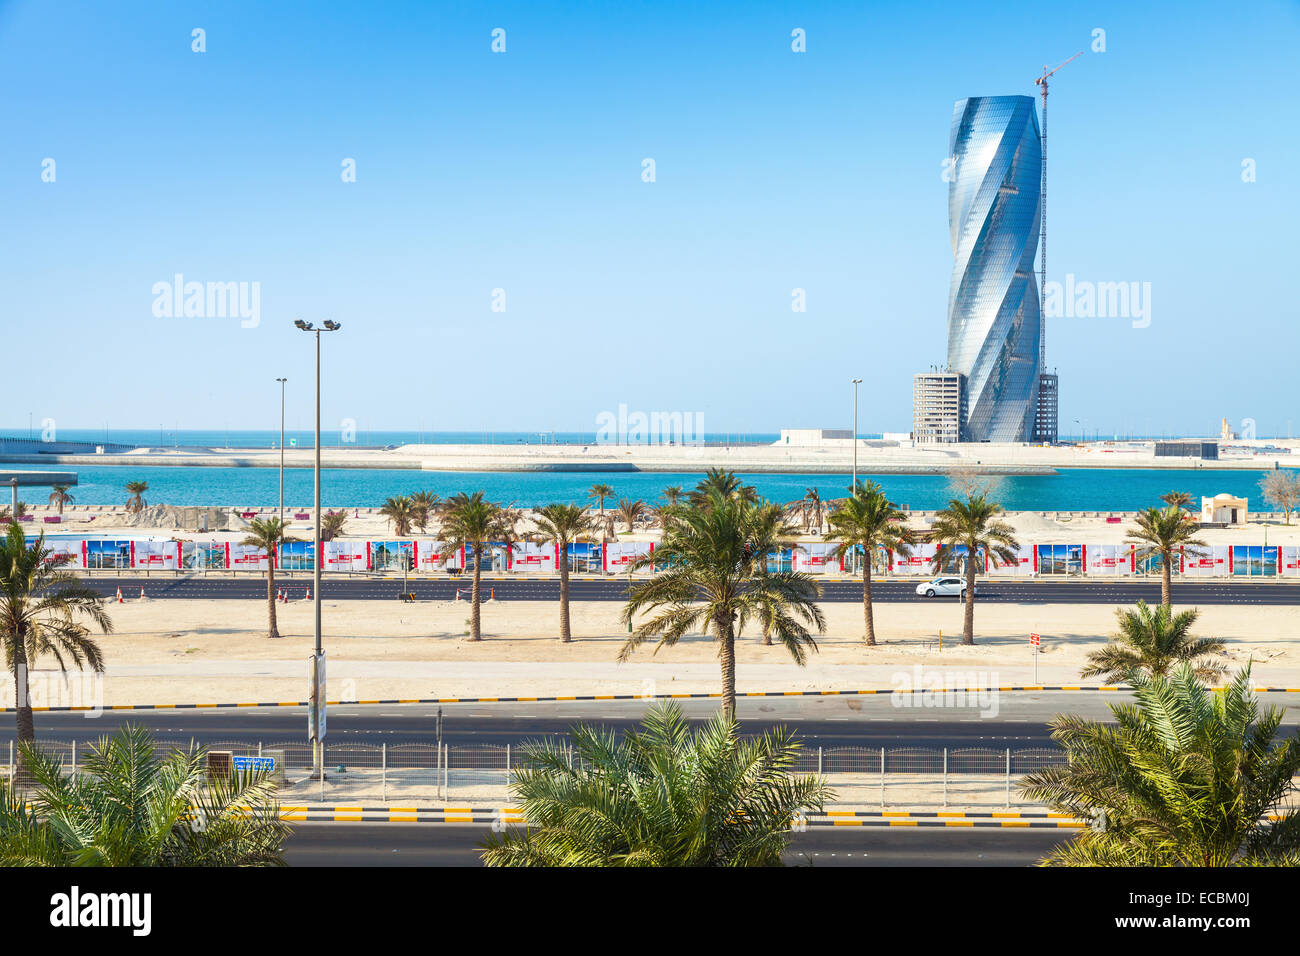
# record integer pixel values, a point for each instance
(1041, 82)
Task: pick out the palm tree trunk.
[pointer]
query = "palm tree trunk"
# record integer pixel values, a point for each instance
(727, 657)
(474, 632)
(26, 725)
(1166, 582)
(866, 602)
(968, 624)
(565, 635)
(272, 630)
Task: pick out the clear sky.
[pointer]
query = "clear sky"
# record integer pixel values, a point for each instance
(522, 171)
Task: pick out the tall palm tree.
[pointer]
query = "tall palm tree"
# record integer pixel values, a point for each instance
(1155, 641)
(41, 612)
(812, 509)
(629, 510)
(599, 492)
(423, 505)
(59, 496)
(136, 502)
(1185, 776)
(673, 495)
(471, 521)
(400, 512)
(1163, 533)
(1176, 499)
(562, 525)
(973, 524)
(128, 806)
(869, 520)
(716, 579)
(667, 795)
(725, 483)
(267, 535)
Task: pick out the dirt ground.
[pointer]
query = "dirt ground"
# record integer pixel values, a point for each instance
(169, 651)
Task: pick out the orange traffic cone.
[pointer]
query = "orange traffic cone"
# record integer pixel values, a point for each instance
(308, 598)
(119, 595)
(457, 597)
(142, 592)
(492, 594)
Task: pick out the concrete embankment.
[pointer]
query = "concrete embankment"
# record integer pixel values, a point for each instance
(836, 458)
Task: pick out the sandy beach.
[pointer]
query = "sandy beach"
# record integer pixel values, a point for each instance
(173, 651)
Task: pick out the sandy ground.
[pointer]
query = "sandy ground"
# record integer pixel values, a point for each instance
(168, 651)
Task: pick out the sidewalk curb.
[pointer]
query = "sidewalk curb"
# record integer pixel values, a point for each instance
(1018, 688)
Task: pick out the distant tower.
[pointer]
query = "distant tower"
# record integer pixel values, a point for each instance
(994, 319)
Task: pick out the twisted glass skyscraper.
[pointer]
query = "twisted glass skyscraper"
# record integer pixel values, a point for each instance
(993, 319)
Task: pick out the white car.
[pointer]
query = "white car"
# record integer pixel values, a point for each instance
(944, 587)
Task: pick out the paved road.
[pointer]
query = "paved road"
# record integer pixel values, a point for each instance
(871, 721)
(447, 844)
(193, 587)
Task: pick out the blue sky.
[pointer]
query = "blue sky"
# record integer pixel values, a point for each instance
(522, 171)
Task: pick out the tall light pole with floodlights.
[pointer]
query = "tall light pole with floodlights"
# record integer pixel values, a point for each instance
(317, 719)
(856, 383)
(282, 381)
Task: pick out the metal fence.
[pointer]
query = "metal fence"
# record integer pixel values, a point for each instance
(864, 776)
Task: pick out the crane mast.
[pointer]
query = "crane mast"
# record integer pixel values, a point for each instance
(1041, 82)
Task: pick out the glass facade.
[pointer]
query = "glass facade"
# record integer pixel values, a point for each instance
(993, 218)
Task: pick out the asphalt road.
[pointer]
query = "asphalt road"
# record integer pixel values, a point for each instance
(1040, 591)
(1015, 719)
(450, 844)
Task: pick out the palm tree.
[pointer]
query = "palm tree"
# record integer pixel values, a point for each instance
(1185, 776)
(599, 492)
(1155, 641)
(1176, 499)
(725, 483)
(331, 524)
(673, 495)
(267, 535)
(60, 497)
(423, 506)
(41, 608)
(400, 512)
(716, 579)
(667, 795)
(128, 806)
(812, 509)
(1164, 532)
(470, 521)
(629, 511)
(972, 524)
(868, 520)
(136, 502)
(561, 525)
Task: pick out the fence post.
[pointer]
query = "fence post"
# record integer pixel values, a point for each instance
(322, 770)
(437, 768)
(74, 760)
(259, 749)
(446, 775)
(11, 765)
(882, 778)
(945, 776)
(383, 771)
(507, 765)
(1008, 778)
(819, 761)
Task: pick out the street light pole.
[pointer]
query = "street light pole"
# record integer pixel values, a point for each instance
(856, 383)
(318, 661)
(282, 381)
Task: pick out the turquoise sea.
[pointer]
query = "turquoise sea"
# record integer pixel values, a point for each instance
(1069, 490)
